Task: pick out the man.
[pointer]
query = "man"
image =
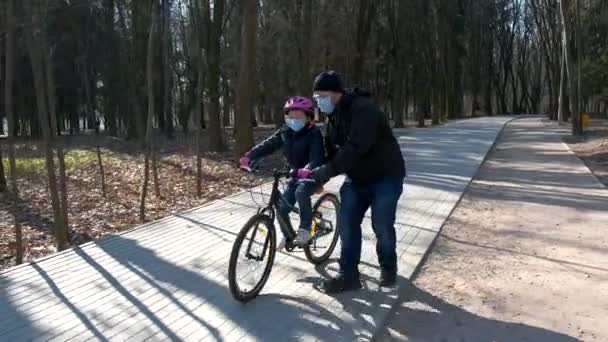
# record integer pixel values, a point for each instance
(360, 144)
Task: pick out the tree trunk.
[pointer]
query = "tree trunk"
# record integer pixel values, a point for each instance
(151, 109)
(225, 103)
(10, 116)
(198, 119)
(397, 103)
(247, 85)
(367, 13)
(214, 60)
(438, 95)
(3, 186)
(305, 46)
(579, 61)
(154, 154)
(571, 63)
(562, 87)
(36, 46)
(52, 103)
(167, 81)
(101, 172)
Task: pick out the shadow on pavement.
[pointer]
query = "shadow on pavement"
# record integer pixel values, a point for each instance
(424, 317)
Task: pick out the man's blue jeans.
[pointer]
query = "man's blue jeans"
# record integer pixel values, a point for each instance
(382, 197)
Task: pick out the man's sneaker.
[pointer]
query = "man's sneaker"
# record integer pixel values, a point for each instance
(302, 237)
(340, 284)
(388, 278)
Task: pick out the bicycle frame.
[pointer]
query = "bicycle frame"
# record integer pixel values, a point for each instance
(273, 207)
(273, 210)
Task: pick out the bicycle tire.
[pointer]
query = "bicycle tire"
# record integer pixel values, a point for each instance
(310, 256)
(235, 290)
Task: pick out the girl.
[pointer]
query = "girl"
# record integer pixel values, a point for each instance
(302, 145)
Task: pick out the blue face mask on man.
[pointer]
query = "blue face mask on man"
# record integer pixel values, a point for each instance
(295, 125)
(325, 104)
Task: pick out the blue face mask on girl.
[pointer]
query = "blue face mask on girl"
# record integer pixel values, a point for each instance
(295, 125)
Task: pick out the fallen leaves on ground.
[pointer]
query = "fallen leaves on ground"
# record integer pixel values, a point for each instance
(92, 215)
(592, 148)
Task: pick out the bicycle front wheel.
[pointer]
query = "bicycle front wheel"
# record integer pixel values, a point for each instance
(252, 258)
(326, 229)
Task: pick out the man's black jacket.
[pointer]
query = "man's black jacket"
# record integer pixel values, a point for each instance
(360, 143)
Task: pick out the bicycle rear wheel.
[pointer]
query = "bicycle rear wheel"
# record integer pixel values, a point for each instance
(252, 258)
(325, 236)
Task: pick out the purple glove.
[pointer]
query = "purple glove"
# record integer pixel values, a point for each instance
(244, 161)
(304, 173)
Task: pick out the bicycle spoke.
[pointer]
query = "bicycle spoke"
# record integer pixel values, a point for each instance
(252, 258)
(325, 235)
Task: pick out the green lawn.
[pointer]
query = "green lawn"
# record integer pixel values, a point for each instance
(36, 164)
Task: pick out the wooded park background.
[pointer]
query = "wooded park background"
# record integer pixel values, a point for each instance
(104, 97)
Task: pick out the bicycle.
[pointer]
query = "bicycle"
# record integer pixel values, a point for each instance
(324, 237)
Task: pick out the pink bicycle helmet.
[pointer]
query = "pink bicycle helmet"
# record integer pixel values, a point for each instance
(299, 102)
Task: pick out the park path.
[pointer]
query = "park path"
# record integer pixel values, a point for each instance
(523, 256)
(166, 280)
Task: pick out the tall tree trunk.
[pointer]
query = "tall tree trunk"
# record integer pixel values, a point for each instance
(3, 185)
(52, 103)
(397, 102)
(154, 154)
(214, 59)
(367, 13)
(151, 109)
(247, 85)
(101, 172)
(198, 119)
(36, 46)
(305, 46)
(571, 64)
(167, 80)
(579, 61)
(561, 117)
(10, 116)
(225, 103)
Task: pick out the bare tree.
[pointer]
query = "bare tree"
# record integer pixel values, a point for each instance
(546, 18)
(305, 49)
(3, 186)
(11, 117)
(36, 43)
(570, 42)
(167, 75)
(52, 103)
(214, 24)
(247, 84)
(198, 118)
(367, 14)
(101, 172)
(561, 109)
(151, 109)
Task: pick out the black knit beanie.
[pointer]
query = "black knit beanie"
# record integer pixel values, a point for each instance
(328, 81)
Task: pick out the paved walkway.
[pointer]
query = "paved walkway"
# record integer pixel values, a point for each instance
(523, 257)
(167, 279)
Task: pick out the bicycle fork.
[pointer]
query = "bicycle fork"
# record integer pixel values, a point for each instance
(264, 232)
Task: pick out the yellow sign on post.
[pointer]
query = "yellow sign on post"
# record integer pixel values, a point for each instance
(585, 120)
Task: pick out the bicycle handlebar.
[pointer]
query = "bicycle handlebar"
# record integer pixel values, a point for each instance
(278, 174)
